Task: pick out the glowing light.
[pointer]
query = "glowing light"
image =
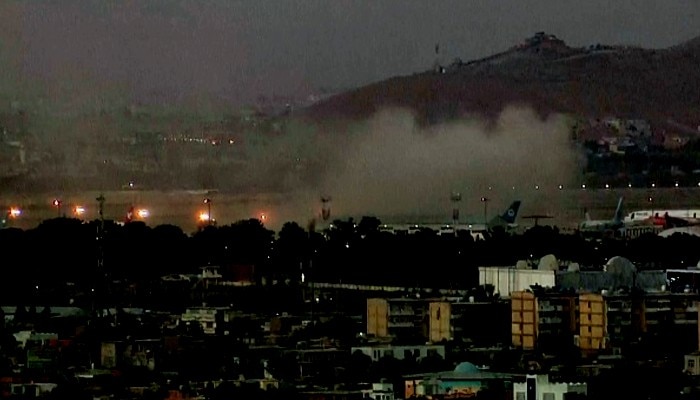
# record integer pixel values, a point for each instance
(607, 186)
(15, 212)
(676, 184)
(629, 185)
(203, 216)
(143, 213)
(583, 186)
(561, 187)
(79, 210)
(263, 217)
(537, 187)
(653, 185)
(56, 203)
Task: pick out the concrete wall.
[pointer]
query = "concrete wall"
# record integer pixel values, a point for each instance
(507, 279)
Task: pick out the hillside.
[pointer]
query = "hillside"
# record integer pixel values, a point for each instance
(546, 74)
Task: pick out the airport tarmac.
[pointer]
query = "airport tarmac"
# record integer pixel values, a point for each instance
(183, 207)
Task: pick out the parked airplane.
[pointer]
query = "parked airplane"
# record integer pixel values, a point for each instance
(665, 218)
(604, 225)
(505, 221)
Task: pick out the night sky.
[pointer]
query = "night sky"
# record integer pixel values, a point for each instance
(237, 51)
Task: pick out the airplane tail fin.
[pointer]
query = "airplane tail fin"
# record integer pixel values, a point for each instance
(586, 214)
(511, 213)
(618, 211)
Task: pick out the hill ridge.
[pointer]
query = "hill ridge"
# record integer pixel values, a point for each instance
(546, 74)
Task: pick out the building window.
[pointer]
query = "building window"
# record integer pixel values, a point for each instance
(691, 363)
(519, 395)
(547, 396)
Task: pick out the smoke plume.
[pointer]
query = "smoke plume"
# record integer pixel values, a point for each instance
(390, 167)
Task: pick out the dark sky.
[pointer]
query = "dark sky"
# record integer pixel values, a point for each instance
(237, 50)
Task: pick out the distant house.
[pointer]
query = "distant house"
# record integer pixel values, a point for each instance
(466, 381)
(538, 387)
(401, 352)
(674, 141)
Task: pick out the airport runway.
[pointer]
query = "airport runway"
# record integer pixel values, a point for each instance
(182, 207)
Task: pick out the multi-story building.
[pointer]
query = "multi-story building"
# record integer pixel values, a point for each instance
(592, 322)
(617, 321)
(437, 320)
(206, 317)
(401, 318)
(524, 319)
(557, 319)
(622, 319)
(544, 319)
(462, 321)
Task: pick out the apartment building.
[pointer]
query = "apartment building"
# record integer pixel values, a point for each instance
(546, 319)
(400, 318)
(464, 321)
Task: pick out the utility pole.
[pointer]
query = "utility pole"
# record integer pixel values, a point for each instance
(486, 200)
(97, 285)
(455, 198)
(207, 201)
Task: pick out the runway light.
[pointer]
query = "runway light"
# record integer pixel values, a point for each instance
(607, 186)
(583, 186)
(79, 210)
(537, 187)
(561, 187)
(676, 184)
(653, 185)
(629, 185)
(143, 213)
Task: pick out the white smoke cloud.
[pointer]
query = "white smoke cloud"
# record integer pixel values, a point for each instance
(394, 167)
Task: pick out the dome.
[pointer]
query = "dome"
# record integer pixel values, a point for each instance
(466, 368)
(621, 271)
(521, 264)
(619, 265)
(548, 263)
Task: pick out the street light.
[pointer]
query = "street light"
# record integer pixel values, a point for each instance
(57, 203)
(486, 205)
(79, 211)
(207, 201)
